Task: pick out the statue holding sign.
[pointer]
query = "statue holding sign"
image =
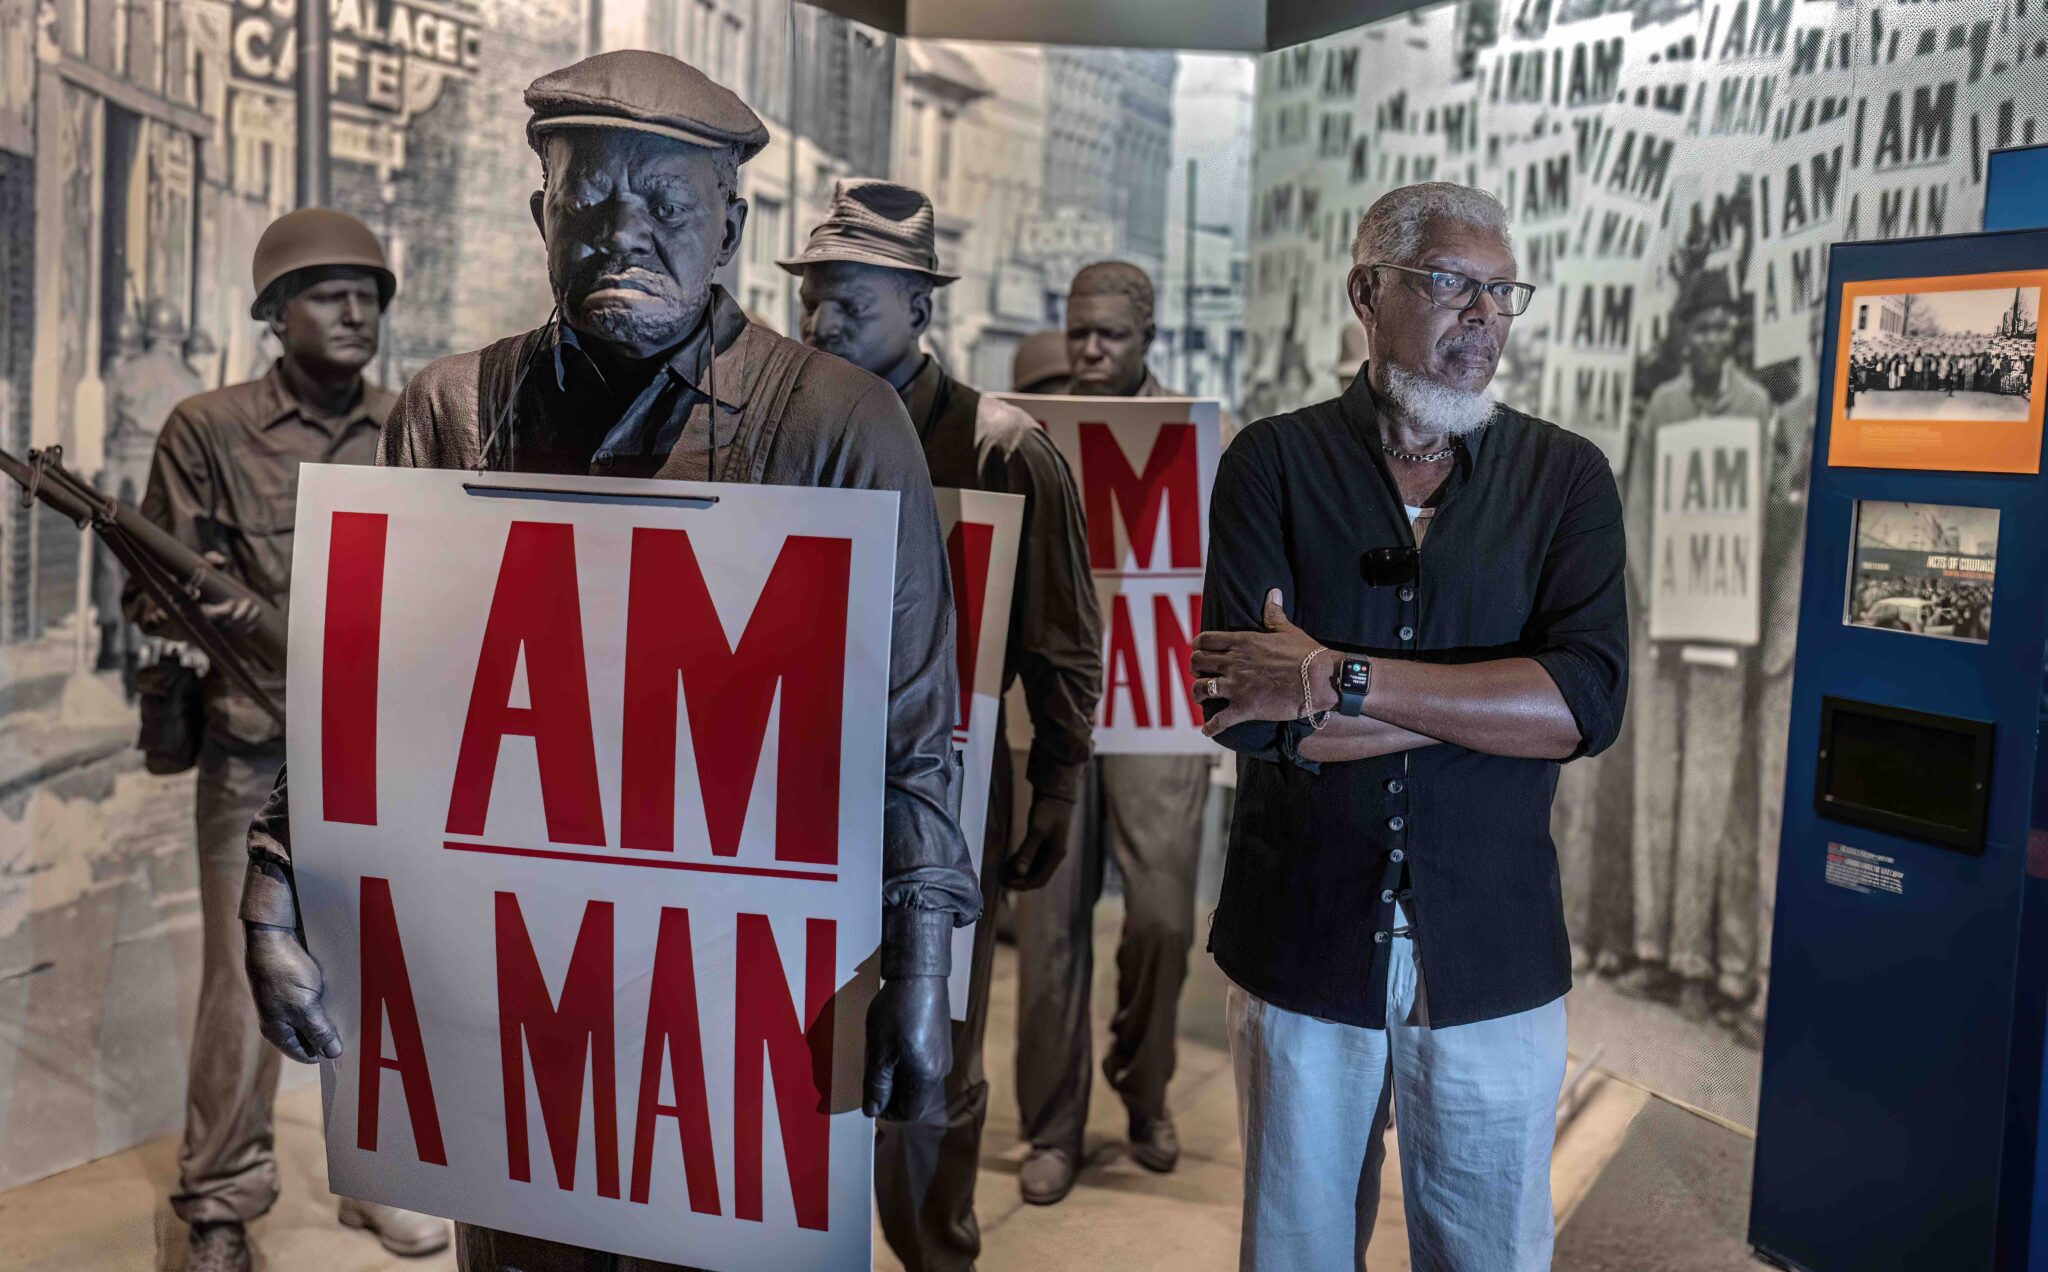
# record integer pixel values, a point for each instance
(649, 369)
(1150, 819)
(869, 271)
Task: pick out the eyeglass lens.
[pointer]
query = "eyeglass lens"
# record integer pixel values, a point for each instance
(1456, 291)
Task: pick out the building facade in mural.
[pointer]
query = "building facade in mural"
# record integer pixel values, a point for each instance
(1657, 158)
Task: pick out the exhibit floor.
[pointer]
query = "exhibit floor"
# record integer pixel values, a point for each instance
(110, 1214)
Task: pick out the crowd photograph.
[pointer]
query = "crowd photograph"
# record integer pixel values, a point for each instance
(1926, 569)
(1952, 355)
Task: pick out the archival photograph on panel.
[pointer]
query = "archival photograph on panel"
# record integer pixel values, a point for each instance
(1943, 355)
(1923, 569)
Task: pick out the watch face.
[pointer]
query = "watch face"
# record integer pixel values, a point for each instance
(1353, 676)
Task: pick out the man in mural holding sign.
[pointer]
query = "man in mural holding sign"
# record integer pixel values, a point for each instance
(1695, 852)
(652, 370)
(1390, 913)
(868, 274)
(1148, 812)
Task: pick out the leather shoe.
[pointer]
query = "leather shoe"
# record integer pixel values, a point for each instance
(218, 1247)
(1047, 1176)
(403, 1232)
(1155, 1145)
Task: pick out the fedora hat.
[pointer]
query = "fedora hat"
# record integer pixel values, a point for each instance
(878, 223)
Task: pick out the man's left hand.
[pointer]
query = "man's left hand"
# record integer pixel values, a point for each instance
(910, 1048)
(1258, 674)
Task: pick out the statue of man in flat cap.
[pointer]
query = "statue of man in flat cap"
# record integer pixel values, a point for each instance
(869, 271)
(649, 369)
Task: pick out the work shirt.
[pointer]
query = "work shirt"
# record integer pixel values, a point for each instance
(974, 442)
(830, 424)
(1524, 559)
(226, 479)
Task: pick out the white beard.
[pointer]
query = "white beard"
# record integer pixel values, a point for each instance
(1438, 408)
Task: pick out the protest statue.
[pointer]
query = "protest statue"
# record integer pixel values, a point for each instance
(649, 369)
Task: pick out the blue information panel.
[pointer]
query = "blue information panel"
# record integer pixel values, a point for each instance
(2016, 189)
(1899, 1121)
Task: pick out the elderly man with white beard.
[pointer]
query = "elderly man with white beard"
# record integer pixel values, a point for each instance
(1390, 917)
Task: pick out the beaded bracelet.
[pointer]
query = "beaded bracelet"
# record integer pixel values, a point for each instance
(1315, 718)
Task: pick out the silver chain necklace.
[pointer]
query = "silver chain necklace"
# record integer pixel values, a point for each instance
(1432, 458)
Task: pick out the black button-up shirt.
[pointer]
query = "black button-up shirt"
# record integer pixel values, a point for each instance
(1524, 559)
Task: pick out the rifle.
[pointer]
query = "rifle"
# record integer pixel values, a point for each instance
(176, 577)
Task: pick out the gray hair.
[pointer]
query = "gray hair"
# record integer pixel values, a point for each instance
(1393, 228)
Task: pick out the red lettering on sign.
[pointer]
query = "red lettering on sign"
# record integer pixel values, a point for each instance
(766, 1023)
(387, 993)
(561, 1039)
(1174, 646)
(1122, 673)
(1107, 483)
(795, 638)
(672, 1031)
(535, 610)
(348, 668)
(968, 549)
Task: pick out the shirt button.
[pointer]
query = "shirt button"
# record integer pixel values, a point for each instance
(1395, 786)
(1397, 823)
(1397, 856)
(1387, 895)
(1407, 593)
(1379, 938)
(1407, 633)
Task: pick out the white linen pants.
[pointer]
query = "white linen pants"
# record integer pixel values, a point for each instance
(1478, 1116)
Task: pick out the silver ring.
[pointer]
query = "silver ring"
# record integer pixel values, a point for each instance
(1212, 689)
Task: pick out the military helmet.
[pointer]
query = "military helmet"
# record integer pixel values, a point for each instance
(311, 238)
(1040, 363)
(162, 321)
(128, 332)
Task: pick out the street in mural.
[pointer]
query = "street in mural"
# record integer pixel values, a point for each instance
(1674, 173)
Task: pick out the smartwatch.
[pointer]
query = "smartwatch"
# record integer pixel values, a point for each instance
(1354, 681)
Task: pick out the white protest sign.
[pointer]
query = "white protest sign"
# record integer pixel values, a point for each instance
(981, 531)
(1145, 466)
(587, 813)
(1707, 531)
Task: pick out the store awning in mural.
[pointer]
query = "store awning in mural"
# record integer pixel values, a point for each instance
(1248, 26)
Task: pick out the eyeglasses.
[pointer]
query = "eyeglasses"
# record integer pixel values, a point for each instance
(1448, 290)
(1389, 567)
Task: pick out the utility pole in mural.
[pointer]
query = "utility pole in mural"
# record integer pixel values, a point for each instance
(1674, 174)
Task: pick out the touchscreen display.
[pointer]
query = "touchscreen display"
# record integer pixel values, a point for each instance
(1905, 771)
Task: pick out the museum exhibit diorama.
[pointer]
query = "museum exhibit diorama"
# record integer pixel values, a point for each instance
(1540, 660)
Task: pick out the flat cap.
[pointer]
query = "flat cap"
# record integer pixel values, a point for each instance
(648, 92)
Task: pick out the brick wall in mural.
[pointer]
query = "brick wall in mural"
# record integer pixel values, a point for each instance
(1658, 160)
